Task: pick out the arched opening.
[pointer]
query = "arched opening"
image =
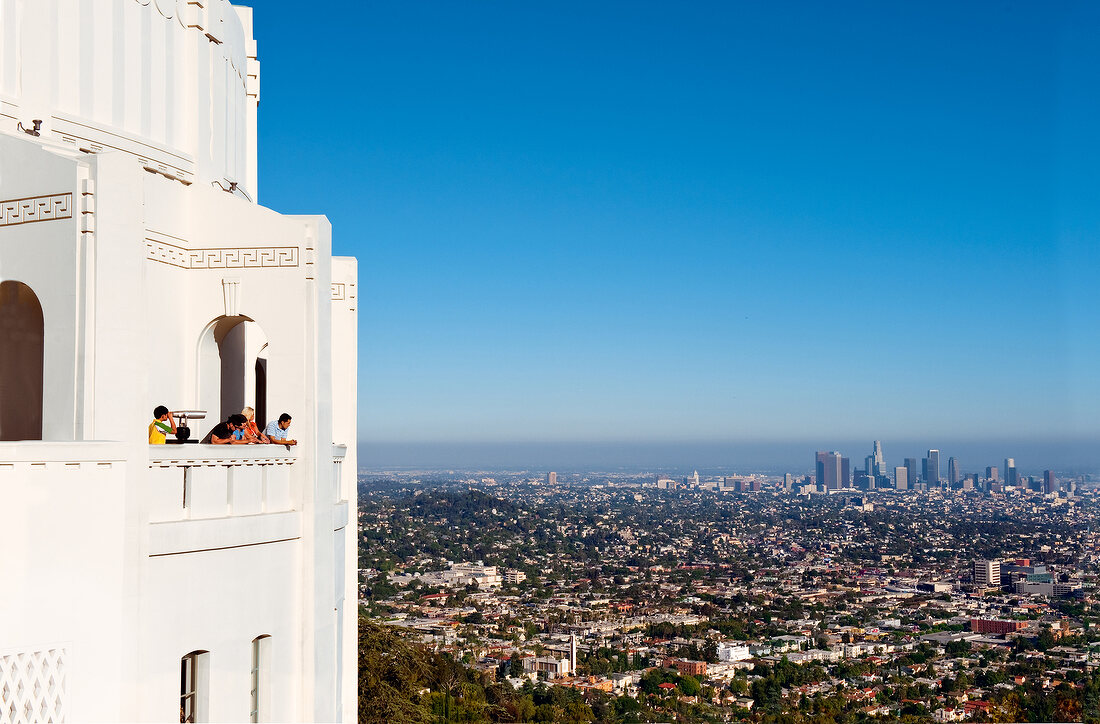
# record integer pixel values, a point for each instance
(21, 353)
(195, 687)
(232, 368)
(259, 695)
(261, 392)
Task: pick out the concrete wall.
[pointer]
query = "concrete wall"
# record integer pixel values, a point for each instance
(132, 219)
(134, 280)
(172, 82)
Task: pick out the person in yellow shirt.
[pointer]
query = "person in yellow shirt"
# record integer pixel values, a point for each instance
(161, 425)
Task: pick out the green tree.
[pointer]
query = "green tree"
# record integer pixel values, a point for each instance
(391, 674)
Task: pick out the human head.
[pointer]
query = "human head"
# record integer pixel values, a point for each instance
(237, 420)
(159, 411)
(248, 413)
(284, 421)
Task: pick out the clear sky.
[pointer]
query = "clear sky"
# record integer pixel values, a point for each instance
(709, 222)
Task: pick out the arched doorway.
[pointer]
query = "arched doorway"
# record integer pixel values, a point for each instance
(232, 368)
(21, 354)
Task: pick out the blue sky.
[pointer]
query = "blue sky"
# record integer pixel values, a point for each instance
(708, 222)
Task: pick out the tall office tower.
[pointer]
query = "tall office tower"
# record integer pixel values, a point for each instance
(933, 467)
(788, 481)
(1010, 472)
(819, 466)
(1050, 483)
(953, 470)
(551, 478)
(830, 469)
(901, 478)
(845, 473)
(869, 465)
(924, 474)
(987, 573)
(879, 461)
(992, 473)
(911, 471)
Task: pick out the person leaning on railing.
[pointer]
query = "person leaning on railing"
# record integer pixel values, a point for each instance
(223, 432)
(276, 431)
(250, 432)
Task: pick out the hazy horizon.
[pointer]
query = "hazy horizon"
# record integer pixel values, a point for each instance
(1075, 456)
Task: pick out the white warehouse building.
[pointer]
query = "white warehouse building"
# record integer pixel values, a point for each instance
(137, 268)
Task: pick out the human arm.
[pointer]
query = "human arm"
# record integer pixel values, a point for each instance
(254, 434)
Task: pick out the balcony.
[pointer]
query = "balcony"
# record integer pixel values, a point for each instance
(203, 497)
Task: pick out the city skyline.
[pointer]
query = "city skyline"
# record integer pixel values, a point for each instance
(1069, 457)
(757, 224)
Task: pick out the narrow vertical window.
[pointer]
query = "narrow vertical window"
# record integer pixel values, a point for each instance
(193, 687)
(261, 668)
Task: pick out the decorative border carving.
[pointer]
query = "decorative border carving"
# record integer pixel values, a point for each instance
(337, 291)
(36, 208)
(213, 258)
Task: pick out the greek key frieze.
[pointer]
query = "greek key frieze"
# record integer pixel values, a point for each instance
(36, 208)
(218, 258)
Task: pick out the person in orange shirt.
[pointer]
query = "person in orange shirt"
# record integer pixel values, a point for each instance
(250, 431)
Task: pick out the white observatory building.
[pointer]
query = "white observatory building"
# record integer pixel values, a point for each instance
(147, 582)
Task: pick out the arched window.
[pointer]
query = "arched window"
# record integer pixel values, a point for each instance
(232, 368)
(21, 345)
(261, 679)
(195, 687)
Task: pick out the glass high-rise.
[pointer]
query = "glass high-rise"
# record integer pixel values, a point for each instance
(933, 467)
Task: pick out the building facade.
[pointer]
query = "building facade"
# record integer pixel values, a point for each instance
(932, 475)
(987, 573)
(137, 268)
(953, 474)
(911, 469)
(901, 478)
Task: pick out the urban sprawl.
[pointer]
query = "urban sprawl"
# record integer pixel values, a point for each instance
(841, 595)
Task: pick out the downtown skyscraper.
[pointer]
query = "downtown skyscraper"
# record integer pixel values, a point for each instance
(877, 464)
(953, 475)
(932, 468)
(833, 471)
(911, 469)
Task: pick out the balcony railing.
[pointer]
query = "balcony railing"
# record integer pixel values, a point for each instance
(195, 482)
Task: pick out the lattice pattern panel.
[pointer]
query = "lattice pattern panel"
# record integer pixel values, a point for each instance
(33, 687)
